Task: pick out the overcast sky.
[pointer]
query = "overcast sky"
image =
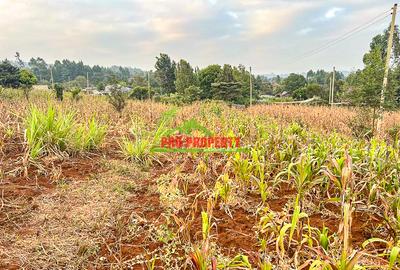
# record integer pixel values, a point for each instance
(269, 35)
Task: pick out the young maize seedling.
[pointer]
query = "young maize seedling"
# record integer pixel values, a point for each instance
(392, 252)
(292, 227)
(223, 187)
(259, 168)
(301, 174)
(242, 168)
(151, 264)
(324, 238)
(238, 262)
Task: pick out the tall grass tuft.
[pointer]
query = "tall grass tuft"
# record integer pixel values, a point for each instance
(139, 150)
(47, 130)
(88, 137)
(56, 130)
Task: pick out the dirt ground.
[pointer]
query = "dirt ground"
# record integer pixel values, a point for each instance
(101, 212)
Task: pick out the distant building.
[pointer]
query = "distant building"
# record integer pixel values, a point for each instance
(89, 90)
(283, 94)
(123, 89)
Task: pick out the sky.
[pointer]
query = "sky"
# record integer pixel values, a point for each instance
(271, 36)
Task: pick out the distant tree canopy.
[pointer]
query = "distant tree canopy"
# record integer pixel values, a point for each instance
(206, 77)
(9, 74)
(66, 71)
(185, 76)
(139, 92)
(26, 78)
(363, 87)
(179, 82)
(165, 73)
(294, 82)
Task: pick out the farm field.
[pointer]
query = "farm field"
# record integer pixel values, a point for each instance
(81, 189)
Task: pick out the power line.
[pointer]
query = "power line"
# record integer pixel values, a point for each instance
(348, 36)
(345, 36)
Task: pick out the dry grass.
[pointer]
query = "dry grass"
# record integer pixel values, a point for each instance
(68, 226)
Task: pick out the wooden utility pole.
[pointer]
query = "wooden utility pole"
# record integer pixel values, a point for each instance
(330, 90)
(251, 89)
(148, 84)
(149, 91)
(333, 86)
(87, 79)
(386, 74)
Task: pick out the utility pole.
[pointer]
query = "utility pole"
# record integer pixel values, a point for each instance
(149, 91)
(87, 79)
(251, 89)
(385, 76)
(148, 84)
(330, 90)
(333, 86)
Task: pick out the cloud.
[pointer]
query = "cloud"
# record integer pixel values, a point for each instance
(233, 14)
(133, 32)
(305, 31)
(332, 12)
(275, 18)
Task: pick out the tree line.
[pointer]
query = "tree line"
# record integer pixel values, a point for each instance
(180, 82)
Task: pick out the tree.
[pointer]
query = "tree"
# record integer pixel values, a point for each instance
(308, 91)
(229, 91)
(184, 76)
(138, 80)
(101, 86)
(206, 77)
(381, 42)
(117, 99)
(294, 82)
(75, 91)
(59, 88)
(191, 93)
(139, 92)
(26, 80)
(9, 74)
(18, 60)
(40, 68)
(165, 73)
(226, 74)
(264, 85)
(368, 83)
(241, 75)
(79, 81)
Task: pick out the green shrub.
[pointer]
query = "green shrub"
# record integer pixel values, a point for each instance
(59, 88)
(75, 91)
(117, 99)
(139, 92)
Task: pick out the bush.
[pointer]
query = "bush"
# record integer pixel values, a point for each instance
(139, 92)
(26, 79)
(75, 91)
(174, 98)
(117, 99)
(59, 88)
